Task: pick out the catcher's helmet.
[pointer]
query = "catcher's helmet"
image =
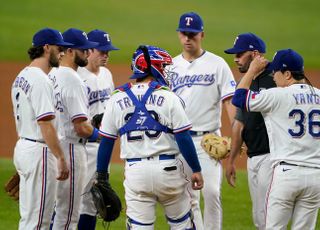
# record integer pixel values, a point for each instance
(151, 60)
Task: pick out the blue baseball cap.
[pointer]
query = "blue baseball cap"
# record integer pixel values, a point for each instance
(247, 42)
(79, 39)
(190, 22)
(103, 39)
(286, 59)
(49, 36)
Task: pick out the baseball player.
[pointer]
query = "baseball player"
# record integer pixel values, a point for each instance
(71, 104)
(153, 127)
(292, 116)
(99, 83)
(250, 128)
(38, 156)
(204, 81)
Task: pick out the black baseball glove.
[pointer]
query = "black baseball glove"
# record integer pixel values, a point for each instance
(96, 120)
(106, 200)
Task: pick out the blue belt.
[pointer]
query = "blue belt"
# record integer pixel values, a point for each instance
(198, 133)
(161, 157)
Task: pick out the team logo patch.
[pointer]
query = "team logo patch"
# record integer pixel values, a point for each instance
(254, 94)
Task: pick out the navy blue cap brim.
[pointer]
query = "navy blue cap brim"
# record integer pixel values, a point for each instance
(67, 44)
(235, 50)
(136, 76)
(87, 45)
(271, 67)
(188, 30)
(106, 48)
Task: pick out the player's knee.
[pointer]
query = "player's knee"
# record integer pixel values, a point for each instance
(185, 222)
(212, 194)
(133, 224)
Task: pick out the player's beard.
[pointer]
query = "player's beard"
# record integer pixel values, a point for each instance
(244, 68)
(53, 60)
(80, 61)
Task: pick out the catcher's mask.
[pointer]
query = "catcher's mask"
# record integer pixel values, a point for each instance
(151, 60)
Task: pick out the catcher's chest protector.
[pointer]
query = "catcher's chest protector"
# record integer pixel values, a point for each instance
(141, 118)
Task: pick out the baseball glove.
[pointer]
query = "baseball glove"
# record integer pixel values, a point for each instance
(217, 147)
(12, 186)
(105, 199)
(96, 120)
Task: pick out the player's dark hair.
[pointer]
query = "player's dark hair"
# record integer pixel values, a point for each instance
(299, 75)
(35, 52)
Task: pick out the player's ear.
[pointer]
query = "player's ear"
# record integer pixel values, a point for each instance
(255, 53)
(287, 74)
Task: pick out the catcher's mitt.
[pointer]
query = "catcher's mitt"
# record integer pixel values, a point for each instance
(106, 200)
(12, 186)
(96, 120)
(217, 147)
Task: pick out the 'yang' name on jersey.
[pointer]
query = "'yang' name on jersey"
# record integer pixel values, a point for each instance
(98, 95)
(306, 98)
(189, 80)
(152, 100)
(22, 83)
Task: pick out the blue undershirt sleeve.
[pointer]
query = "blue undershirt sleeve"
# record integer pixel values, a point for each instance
(188, 150)
(104, 154)
(239, 98)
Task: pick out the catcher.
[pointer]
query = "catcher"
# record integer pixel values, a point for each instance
(153, 131)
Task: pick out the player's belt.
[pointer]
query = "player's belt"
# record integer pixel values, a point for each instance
(198, 133)
(304, 166)
(29, 139)
(286, 163)
(161, 157)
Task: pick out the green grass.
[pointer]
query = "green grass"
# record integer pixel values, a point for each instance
(282, 24)
(236, 203)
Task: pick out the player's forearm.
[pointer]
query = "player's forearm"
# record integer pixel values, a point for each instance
(84, 129)
(49, 135)
(236, 140)
(188, 150)
(246, 80)
(230, 108)
(104, 154)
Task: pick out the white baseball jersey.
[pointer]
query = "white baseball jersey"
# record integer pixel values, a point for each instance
(99, 88)
(70, 99)
(32, 100)
(292, 117)
(163, 105)
(203, 84)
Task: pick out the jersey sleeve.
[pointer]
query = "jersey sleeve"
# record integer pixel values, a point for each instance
(108, 128)
(41, 99)
(180, 122)
(226, 82)
(263, 101)
(77, 102)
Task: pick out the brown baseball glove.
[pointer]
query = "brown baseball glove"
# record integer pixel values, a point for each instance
(217, 147)
(12, 186)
